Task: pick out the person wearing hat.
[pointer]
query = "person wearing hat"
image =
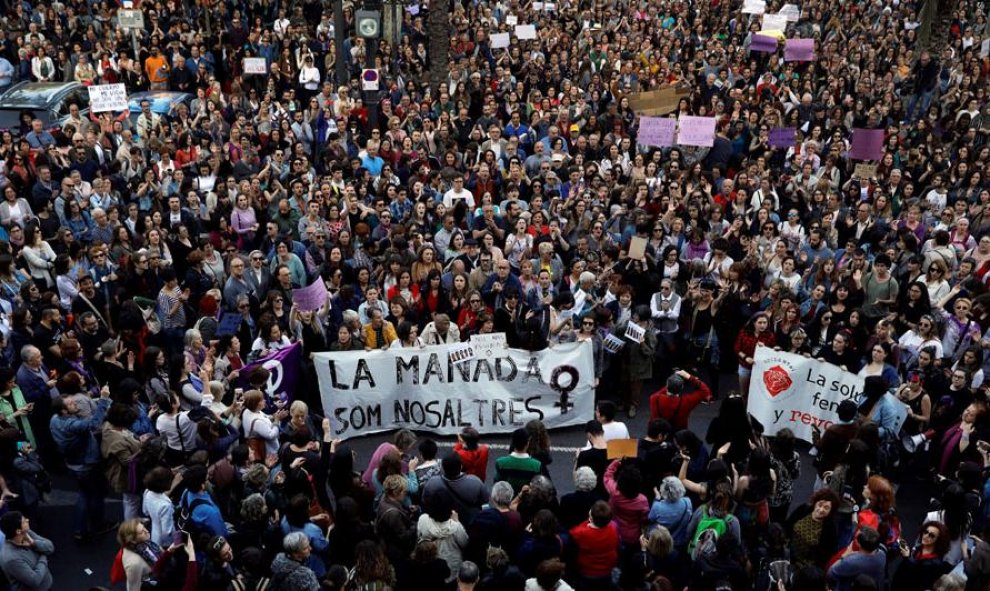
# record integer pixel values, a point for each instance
(674, 402)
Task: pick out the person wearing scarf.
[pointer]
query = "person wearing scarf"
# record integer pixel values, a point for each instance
(140, 559)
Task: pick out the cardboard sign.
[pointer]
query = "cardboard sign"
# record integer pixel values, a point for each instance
(656, 131)
(622, 448)
(865, 171)
(524, 32)
(255, 65)
(635, 332)
(763, 43)
(774, 22)
(799, 50)
(782, 137)
(662, 101)
(499, 40)
(696, 131)
(637, 248)
(867, 144)
(107, 97)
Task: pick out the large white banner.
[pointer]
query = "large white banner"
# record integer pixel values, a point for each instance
(423, 389)
(795, 392)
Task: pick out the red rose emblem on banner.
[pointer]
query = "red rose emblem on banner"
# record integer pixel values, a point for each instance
(776, 379)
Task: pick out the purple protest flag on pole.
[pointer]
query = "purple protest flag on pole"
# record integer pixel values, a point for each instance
(867, 144)
(799, 50)
(311, 297)
(656, 131)
(782, 137)
(763, 44)
(285, 367)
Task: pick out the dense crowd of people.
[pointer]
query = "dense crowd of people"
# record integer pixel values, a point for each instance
(147, 259)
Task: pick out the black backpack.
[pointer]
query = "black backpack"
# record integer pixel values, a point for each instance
(183, 515)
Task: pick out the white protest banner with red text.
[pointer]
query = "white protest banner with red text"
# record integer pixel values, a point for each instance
(794, 392)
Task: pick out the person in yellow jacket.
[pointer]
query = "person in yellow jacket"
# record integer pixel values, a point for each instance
(378, 333)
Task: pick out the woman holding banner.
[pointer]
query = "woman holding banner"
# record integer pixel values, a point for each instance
(756, 332)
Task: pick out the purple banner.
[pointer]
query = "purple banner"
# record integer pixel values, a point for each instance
(799, 50)
(782, 137)
(867, 144)
(285, 366)
(657, 131)
(763, 43)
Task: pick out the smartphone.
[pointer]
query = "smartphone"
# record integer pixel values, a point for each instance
(980, 445)
(180, 537)
(238, 392)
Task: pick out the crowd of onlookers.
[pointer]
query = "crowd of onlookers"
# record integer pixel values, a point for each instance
(148, 258)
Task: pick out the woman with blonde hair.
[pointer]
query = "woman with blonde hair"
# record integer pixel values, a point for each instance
(138, 555)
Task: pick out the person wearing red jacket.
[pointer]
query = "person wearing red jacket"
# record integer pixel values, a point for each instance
(673, 404)
(597, 543)
(756, 332)
(474, 455)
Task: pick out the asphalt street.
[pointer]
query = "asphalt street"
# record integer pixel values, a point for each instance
(79, 567)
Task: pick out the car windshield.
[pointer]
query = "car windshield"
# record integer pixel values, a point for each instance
(11, 118)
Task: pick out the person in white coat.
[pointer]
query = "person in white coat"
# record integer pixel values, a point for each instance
(440, 525)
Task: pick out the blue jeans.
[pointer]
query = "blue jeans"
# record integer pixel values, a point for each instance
(925, 98)
(92, 499)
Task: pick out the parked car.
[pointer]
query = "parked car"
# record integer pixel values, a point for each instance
(163, 102)
(47, 101)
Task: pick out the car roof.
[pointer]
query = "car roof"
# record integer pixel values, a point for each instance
(161, 100)
(36, 94)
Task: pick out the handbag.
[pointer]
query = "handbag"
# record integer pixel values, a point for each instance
(257, 445)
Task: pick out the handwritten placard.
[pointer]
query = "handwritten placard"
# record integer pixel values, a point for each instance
(774, 22)
(107, 97)
(781, 137)
(792, 12)
(754, 7)
(255, 65)
(311, 297)
(491, 345)
(511, 20)
(864, 170)
(867, 144)
(657, 131)
(799, 50)
(525, 32)
(696, 131)
(500, 40)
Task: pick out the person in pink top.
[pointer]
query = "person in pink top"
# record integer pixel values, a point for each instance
(623, 481)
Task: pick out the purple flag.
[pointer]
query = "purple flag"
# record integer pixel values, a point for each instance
(763, 43)
(782, 137)
(285, 366)
(311, 297)
(867, 144)
(799, 50)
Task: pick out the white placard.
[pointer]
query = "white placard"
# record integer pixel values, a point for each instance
(635, 332)
(130, 19)
(500, 40)
(754, 7)
(985, 48)
(460, 353)
(511, 20)
(524, 32)
(255, 65)
(107, 97)
(774, 22)
(549, 6)
(613, 344)
(372, 391)
(413, 9)
(490, 346)
(795, 392)
(537, 6)
(792, 12)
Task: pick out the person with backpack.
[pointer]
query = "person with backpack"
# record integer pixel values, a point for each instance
(712, 521)
(197, 513)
